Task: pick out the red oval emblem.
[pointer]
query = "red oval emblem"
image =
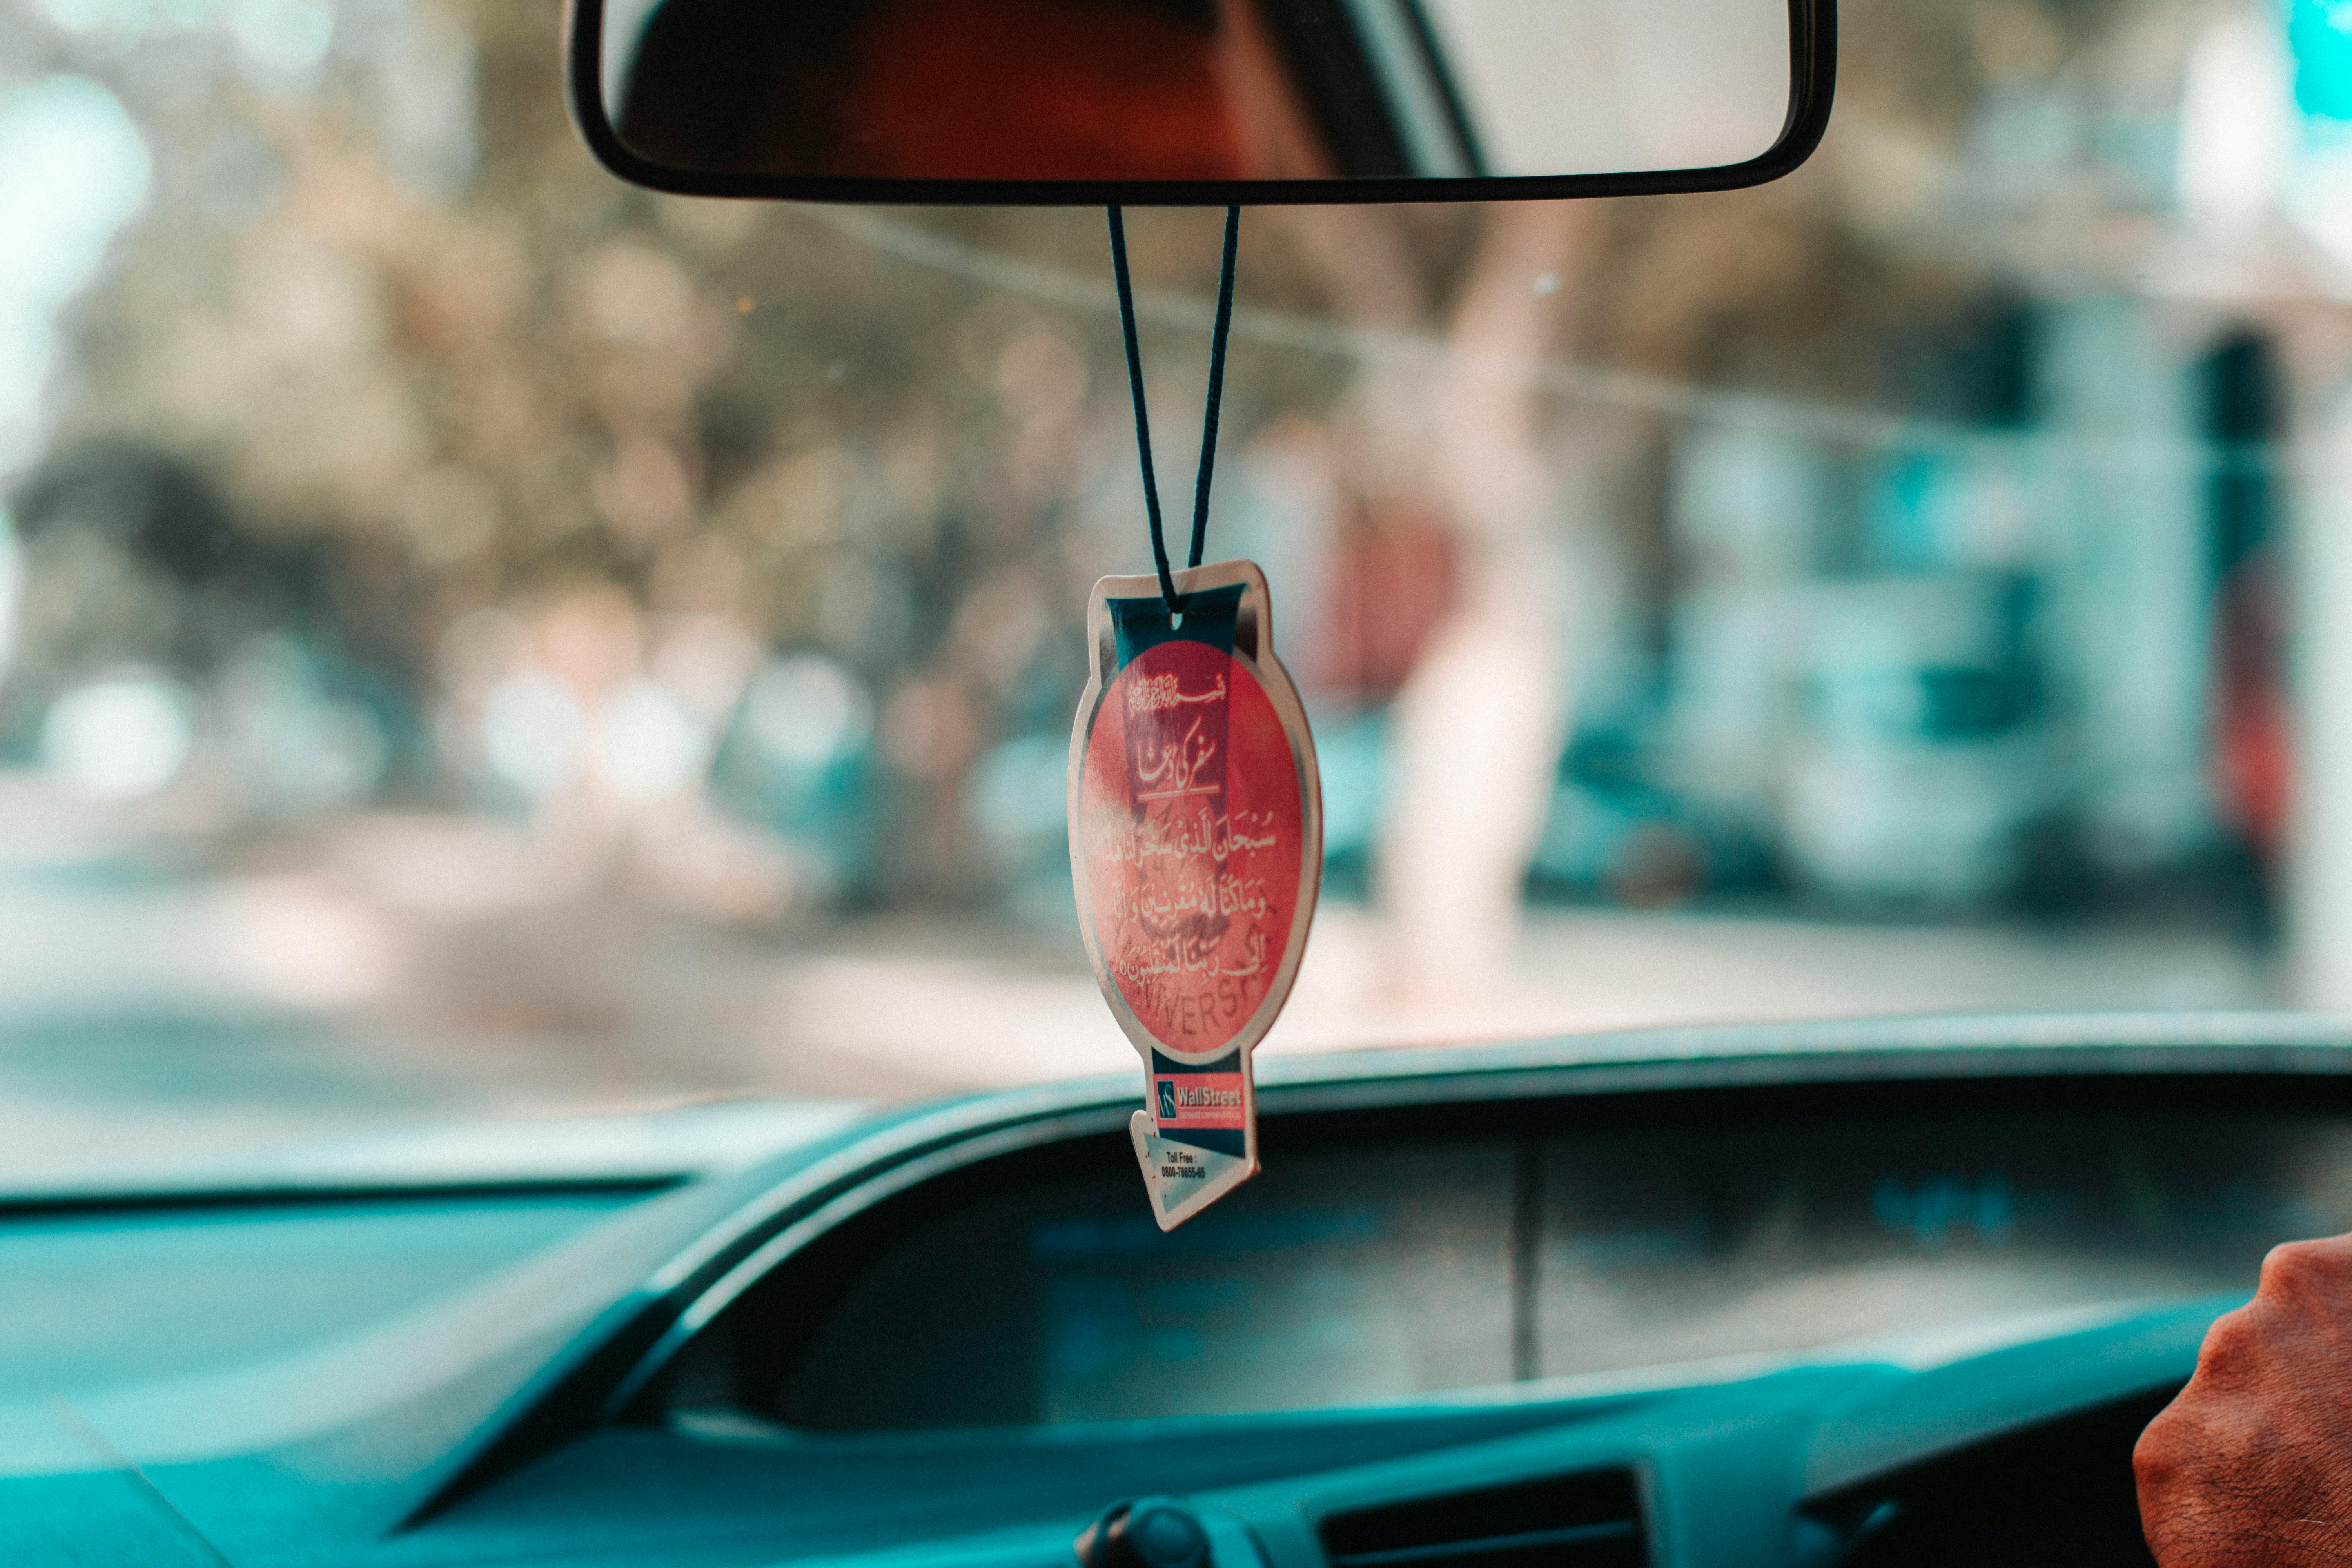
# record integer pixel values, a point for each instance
(1193, 838)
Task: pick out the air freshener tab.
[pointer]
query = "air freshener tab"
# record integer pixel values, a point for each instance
(1196, 849)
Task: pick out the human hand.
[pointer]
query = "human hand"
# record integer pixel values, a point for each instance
(2252, 1464)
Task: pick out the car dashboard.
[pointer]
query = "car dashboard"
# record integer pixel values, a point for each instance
(1875, 1295)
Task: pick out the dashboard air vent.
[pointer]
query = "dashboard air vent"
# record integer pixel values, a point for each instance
(1587, 1521)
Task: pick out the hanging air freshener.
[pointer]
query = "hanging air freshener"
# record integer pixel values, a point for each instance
(1196, 847)
(1196, 824)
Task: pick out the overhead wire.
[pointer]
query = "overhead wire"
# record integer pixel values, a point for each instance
(1634, 391)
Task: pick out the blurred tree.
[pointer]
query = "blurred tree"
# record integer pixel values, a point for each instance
(401, 327)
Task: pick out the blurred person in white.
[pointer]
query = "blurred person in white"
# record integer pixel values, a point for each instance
(1444, 592)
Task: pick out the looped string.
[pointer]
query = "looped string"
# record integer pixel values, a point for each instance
(1142, 418)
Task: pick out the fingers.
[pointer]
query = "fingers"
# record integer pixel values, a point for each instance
(2312, 1276)
(2252, 1464)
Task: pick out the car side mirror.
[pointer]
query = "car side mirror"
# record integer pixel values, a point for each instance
(1199, 101)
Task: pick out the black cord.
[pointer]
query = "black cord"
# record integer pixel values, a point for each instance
(1143, 417)
(1216, 384)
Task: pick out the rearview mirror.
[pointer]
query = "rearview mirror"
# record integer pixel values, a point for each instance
(1200, 100)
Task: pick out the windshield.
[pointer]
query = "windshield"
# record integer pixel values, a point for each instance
(485, 641)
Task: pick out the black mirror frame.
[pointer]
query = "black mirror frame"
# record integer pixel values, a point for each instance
(1812, 78)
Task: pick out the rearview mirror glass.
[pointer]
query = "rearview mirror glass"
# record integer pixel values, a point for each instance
(1199, 99)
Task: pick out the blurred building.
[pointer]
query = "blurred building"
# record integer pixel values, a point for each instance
(2025, 645)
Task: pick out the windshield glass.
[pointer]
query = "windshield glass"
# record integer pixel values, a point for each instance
(484, 640)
